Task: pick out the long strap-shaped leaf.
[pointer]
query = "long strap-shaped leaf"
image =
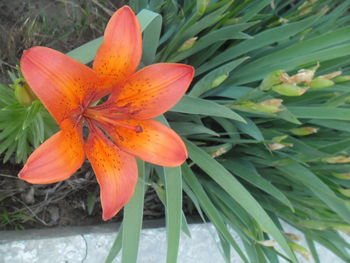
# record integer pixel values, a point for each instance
(116, 247)
(206, 107)
(211, 211)
(173, 187)
(132, 222)
(235, 189)
(151, 24)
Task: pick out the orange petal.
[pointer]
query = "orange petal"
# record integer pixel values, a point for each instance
(60, 82)
(57, 158)
(115, 170)
(120, 53)
(154, 89)
(156, 143)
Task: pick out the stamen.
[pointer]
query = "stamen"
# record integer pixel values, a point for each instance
(112, 120)
(135, 128)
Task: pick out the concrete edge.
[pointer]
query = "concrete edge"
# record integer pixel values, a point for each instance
(54, 232)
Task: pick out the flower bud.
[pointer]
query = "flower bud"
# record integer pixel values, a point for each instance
(188, 44)
(272, 79)
(336, 159)
(289, 90)
(219, 80)
(303, 131)
(279, 138)
(277, 146)
(301, 250)
(268, 243)
(216, 151)
(314, 224)
(277, 143)
(343, 228)
(23, 92)
(293, 236)
(320, 83)
(331, 75)
(303, 76)
(345, 192)
(268, 106)
(343, 176)
(341, 79)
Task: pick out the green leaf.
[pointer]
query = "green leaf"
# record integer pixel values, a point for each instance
(132, 222)
(162, 196)
(219, 174)
(225, 33)
(210, 209)
(173, 187)
(312, 112)
(265, 38)
(189, 128)
(151, 24)
(204, 107)
(116, 246)
(313, 250)
(253, 9)
(86, 53)
(247, 171)
(138, 5)
(206, 21)
(317, 49)
(205, 83)
(332, 124)
(251, 129)
(90, 202)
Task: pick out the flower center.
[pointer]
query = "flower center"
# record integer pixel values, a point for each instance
(108, 118)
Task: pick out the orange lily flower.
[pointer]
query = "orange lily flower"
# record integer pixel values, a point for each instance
(120, 127)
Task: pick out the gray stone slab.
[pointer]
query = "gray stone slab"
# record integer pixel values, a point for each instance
(81, 246)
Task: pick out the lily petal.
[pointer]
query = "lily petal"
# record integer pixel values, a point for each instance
(115, 170)
(120, 53)
(57, 158)
(153, 90)
(60, 82)
(156, 143)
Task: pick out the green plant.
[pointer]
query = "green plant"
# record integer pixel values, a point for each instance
(23, 124)
(13, 220)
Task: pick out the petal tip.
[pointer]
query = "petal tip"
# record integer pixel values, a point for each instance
(126, 8)
(109, 213)
(106, 217)
(20, 175)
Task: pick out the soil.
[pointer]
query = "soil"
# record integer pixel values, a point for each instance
(73, 202)
(62, 25)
